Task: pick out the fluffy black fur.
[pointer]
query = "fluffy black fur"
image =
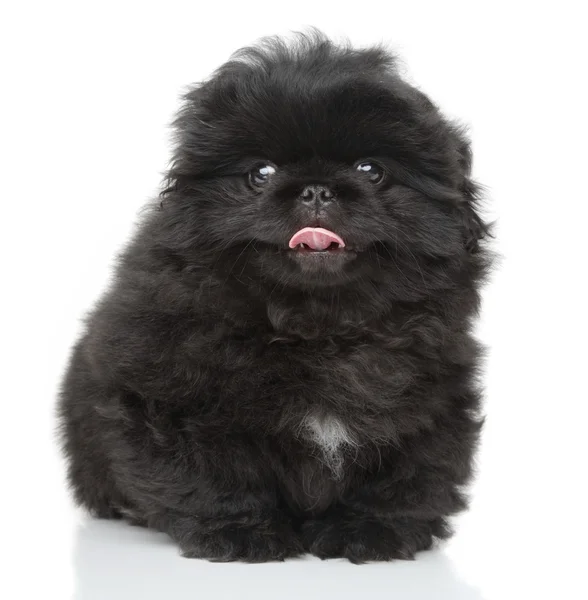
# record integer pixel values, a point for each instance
(186, 404)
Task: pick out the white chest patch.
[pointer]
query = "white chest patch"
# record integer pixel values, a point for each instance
(332, 437)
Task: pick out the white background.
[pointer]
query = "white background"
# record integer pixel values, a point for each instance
(88, 91)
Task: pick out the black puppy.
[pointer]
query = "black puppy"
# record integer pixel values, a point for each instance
(284, 360)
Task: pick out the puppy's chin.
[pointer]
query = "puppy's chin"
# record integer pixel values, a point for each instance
(304, 268)
(323, 268)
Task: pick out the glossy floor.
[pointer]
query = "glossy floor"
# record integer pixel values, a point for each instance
(113, 561)
(116, 562)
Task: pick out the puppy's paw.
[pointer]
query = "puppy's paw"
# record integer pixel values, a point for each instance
(364, 538)
(240, 543)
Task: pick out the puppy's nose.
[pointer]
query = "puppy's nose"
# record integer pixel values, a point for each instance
(316, 194)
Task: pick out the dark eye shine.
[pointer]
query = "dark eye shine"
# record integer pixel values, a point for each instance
(261, 174)
(373, 171)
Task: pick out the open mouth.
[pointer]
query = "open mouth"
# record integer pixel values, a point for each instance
(314, 240)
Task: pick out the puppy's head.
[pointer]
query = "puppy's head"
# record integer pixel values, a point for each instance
(314, 165)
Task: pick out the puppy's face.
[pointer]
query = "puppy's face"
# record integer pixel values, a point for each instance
(311, 173)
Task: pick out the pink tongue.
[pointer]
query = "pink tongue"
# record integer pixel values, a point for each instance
(315, 238)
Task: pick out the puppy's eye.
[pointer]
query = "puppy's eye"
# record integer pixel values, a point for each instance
(373, 171)
(261, 174)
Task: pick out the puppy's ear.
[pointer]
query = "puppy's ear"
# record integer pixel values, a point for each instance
(474, 228)
(190, 131)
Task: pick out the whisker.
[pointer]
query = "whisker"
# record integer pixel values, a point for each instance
(238, 257)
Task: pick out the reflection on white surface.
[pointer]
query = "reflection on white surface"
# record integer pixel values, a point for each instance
(115, 561)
